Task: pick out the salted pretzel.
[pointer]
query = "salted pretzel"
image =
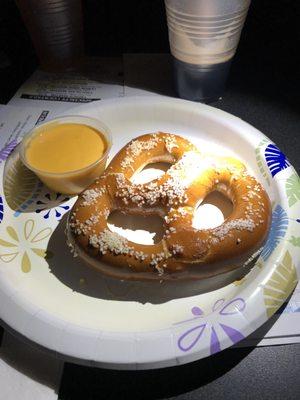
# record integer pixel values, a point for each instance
(184, 252)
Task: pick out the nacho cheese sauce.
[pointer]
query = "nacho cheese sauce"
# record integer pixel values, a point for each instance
(62, 148)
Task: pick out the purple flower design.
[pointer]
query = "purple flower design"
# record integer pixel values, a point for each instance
(52, 203)
(5, 152)
(191, 337)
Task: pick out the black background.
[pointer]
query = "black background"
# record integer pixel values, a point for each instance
(265, 61)
(263, 89)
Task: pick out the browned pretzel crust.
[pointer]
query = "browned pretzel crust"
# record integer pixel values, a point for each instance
(184, 252)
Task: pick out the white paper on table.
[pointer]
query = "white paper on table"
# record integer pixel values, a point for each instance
(16, 121)
(62, 91)
(144, 74)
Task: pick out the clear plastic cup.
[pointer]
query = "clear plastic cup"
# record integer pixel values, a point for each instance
(71, 182)
(203, 37)
(56, 30)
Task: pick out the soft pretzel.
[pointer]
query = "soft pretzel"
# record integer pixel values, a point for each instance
(184, 252)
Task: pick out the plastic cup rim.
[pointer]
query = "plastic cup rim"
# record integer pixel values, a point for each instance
(30, 133)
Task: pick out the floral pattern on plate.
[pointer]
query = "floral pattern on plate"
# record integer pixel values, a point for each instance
(260, 161)
(279, 225)
(6, 151)
(23, 244)
(292, 188)
(21, 187)
(275, 159)
(280, 285)
(52, 204)
(295, 241)
(207, 324)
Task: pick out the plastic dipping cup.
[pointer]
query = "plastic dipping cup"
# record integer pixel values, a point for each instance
(203, 37)
(76, 180)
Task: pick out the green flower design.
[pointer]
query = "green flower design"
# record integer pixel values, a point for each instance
(280, 285)
(292, 188)
(260, 161)
(295, 241)
(23, 244)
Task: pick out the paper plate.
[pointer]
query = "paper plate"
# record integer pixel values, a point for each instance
(55, 301)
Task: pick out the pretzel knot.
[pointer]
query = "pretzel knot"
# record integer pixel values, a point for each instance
(184, 252)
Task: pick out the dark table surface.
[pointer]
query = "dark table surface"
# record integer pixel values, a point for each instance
(263, 89)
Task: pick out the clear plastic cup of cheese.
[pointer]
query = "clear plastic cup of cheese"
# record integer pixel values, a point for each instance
(67, 153)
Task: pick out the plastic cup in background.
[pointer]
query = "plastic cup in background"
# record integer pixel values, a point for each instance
(203, 37)
(56, 30)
